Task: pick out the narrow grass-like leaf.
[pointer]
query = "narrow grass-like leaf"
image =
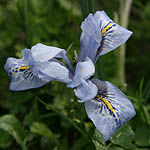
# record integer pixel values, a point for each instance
(140, 101)
(84, 8)
(42, 129)
(92, 6)
(146, 93)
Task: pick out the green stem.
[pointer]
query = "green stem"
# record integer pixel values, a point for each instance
(125, 7)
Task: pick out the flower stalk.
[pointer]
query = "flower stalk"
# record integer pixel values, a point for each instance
(125, 7)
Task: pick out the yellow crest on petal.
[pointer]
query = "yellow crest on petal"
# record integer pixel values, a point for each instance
(107, 103)
(106, 28)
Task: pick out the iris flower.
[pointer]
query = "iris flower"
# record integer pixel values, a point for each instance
(105, 104)
(37, 67)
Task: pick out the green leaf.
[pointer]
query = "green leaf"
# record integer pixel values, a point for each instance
(43, 130)
(11, 125)
(146, 93)
(5, 140)
(98, 140)
(142, 136)
(27, 139)
(99, 146)
(92, 6)
(98, 137)
(84, 8)
(115, 148)
(124, 137)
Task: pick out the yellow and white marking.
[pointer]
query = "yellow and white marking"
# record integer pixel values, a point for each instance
(106, 28)
(107, 103)
(19, 68)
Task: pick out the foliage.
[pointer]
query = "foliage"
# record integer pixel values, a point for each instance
(50, 118)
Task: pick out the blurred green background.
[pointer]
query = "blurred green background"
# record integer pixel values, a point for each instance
(49, 118)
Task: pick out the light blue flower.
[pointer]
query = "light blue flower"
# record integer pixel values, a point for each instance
(37, 67)
(105, 104)
(100, 35)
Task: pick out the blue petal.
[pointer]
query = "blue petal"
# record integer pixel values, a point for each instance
(42, 53)
(84, 70)
(22, 78)
(29, 61)
(113, 35)
(108, 117)
(86, 91)
(55, 69)
(68, 63)
(90, 39)
(100, 35)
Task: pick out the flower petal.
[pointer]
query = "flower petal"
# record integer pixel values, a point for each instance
(113, 35)
(90, 39)
(86, 91)
(42, 53)
(83, 71)
(100, 35)
(110, 109)
(55, 69)
(22, 78)
(68, 63)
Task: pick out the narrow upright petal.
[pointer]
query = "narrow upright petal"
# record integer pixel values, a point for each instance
(110, 109)
(86, 91)
(90, 39)
(84, 70)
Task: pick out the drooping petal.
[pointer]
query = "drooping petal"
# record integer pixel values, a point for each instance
(42, 53)
(90, 39)
(110, 109)
(22, 78)
(55, 70)
(86, 91)
(84, 70)
(113, 35)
